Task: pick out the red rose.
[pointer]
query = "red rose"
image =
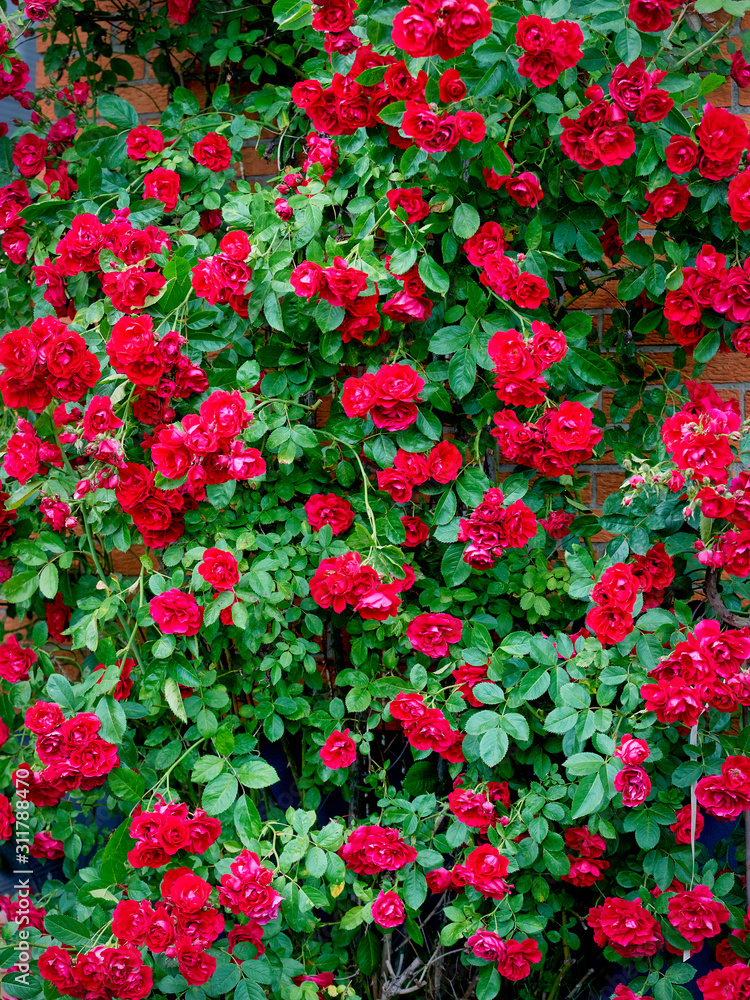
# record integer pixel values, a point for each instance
(15, 660)
(43, 717)
(407, 707)
(176, 613)
(682, 154)
(485, 871)
(517, 958)
(431, 731)
(339, 750)
(194, 964)
(634, 784)
(327, 508)
(444, 462)
(626, 926)
(164, 185)
(388, 910)
(130, 921)
(235, 245)
(610, 625)
(438, 880)
(451, 87)
(631, 750)
(410, 201)
(667, 201)
(529, 291)
(416, 531)
(523, 189)
(722, 136)
(132, 350)
(370, 850)
(143, 142)
(487, 240)
(470, 125)
(738, 198)
(730, 983)
(213, 151)
(29, 154)
(219, 568)
(652, 15)
(415, 30)
(431, 633)
(681, 828)
(740, 71)
(697, 915)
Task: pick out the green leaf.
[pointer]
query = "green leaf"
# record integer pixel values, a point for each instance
(117, 111)
(68, 931)
(628, 43)
(247, 821)
(256, 773)
(126, 784)
(329, 317)
(113, 720)
(707, 347)
(462, 372)
(21, 586)
(115, 851)
(368, 954)
(415, 887)
(433, 275)
(49, 580)
(449, 339)
(465, 221)
(219, 794)
(174, 698)
(220, 494)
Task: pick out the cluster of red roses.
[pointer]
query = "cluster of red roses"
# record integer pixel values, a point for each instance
(589, 866)
(73, 753)
(626, 926)
(702, 670)
(710, 285)
(548, 48)
(563, 437)
(158, 368)
(180, 926)
(732, 548)
(26, 455)
(722, 139)
(45, 361)
(492, 528)
(167, 829)
(616, 593)
(370, 850)
(427, 728)
(388, 397)
(631, 780)
(514, 958)
(654, 572)
(614, 598)
(501, 273)
(223, 278)
(700, 435)
(342, 581)
(727, 794)
(484, 869)
(428, 28)
(341, 286)
(334, 18)
(207, 447)
(247, 889)
(635, 91)
(14, 72)
(410, 469)
(477, 809)
(101, 972)
(78, 252)
(519, 363)
(599, 136)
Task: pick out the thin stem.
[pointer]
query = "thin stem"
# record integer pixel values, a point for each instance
(715, 37)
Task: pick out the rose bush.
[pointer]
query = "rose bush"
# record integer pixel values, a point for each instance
(379, 704)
